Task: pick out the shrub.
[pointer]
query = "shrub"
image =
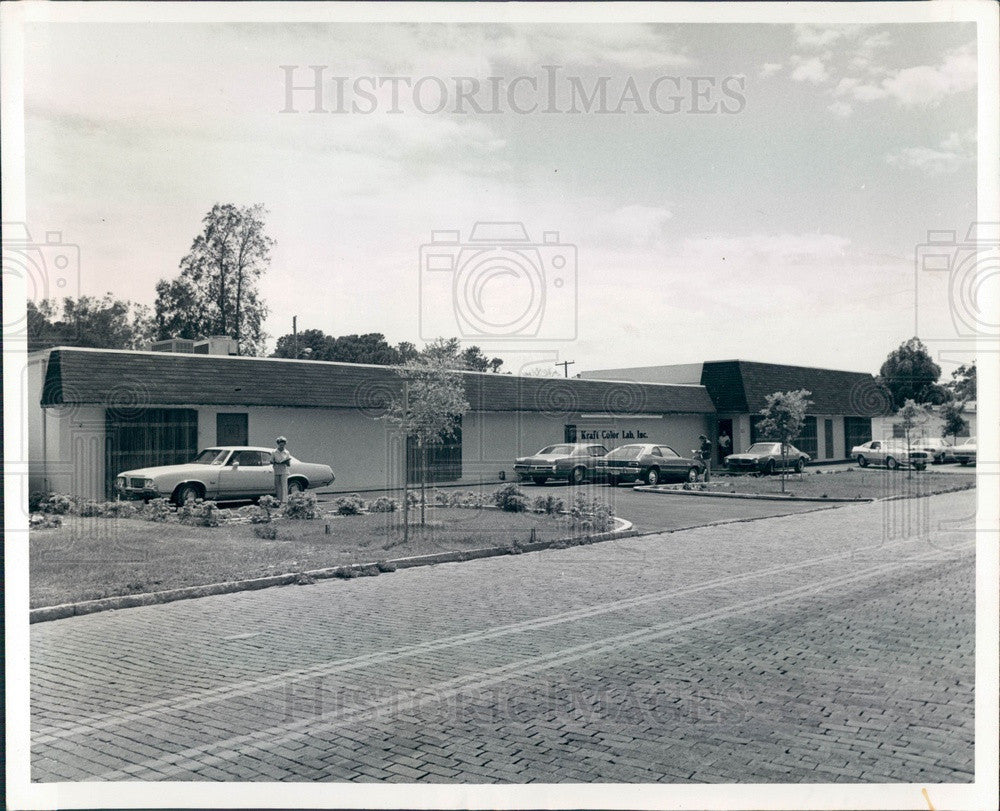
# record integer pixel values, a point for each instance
(510, 498)
(550, 505)
(386, 566)
(592, 514)
(470, 498)
(199, 513)
(301, 506)
(371, 570)
(56, 504)
(346, 505)
(157, 509)
(269, 532)
(44, 521)
(442, 498)
(413, 499)
(383, 504)
(345, 572)
(120, 509)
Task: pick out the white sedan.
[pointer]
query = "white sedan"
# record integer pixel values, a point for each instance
(891, 453)
(225, 473)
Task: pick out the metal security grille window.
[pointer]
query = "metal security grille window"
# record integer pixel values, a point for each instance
(444, 460)
(148, 437)
(857, 431)
(805, 441)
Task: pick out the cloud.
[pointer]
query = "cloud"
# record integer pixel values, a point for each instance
(769, 69)
(956, 150)
(809, 69)
(637, 225)
(811, 36)
(841, 109)
(921, 85)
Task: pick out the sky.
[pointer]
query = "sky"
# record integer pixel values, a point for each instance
(782, 225)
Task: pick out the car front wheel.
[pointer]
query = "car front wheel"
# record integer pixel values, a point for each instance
(768, 468)
(578, 475)
(539, 479)
(186, 493)
(692, 474)
(862, 462)
(799, 465)
(652, 476)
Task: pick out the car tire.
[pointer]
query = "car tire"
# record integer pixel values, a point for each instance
(891, 463)
(186, 493)
(799, 465)
(963, 462)
(920, 467)
(539, 480)
(577, 475)
(614, 481)
(692, 474)
(768, 469)
(296, 486)
(862, 461)
(652, 476)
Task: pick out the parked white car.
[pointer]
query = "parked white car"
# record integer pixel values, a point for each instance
(889, 452)
(940, 449)
(225, 473)
(966, 452)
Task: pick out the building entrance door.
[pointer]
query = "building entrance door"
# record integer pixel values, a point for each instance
(723, 441)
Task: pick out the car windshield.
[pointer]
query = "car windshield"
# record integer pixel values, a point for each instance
(970, 441)
(627, 452)
(553, 449)
(210, 456)
(763, 447)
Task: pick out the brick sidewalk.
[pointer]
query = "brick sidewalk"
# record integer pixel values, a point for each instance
(832, 646)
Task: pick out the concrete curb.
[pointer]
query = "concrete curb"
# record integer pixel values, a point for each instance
(752, 496)
(65, 610)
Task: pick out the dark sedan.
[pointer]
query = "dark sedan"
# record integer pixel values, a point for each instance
(766, 457)
(648, 463)
(573, 461)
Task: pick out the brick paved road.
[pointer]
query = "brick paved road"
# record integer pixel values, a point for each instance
(830, 646)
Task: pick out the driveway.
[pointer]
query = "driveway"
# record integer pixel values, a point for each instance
(835, 646)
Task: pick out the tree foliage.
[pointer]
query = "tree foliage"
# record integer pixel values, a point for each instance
(373, 348)
(217, 290)
(909, 373)
(783, 414)
(953, 421)
(963, 382)
(102, 323)
(913, 416)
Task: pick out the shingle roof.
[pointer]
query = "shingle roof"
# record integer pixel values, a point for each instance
(125, 379)
(741, 386)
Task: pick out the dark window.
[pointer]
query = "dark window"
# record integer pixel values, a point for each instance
(857, 431)
(232, 429)
(897, 430)
(669, 452)
(828, 438)
(569, 433)
(443, 459)
(148, 437)
(805, 441)
(655, 452)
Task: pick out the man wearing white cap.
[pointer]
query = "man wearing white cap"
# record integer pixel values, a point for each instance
(281, 461)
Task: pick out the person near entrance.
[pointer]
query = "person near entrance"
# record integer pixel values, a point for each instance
(705, 451)
(281, 461)
(725, 444)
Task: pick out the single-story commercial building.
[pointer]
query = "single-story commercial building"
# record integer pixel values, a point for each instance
(891, 426)
(96, 412)
(840, 417)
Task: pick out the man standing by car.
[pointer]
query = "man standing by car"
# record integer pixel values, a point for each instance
(706, 455)
(281, 461)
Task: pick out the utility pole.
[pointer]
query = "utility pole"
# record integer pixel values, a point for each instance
(295, 335)
(566, 364)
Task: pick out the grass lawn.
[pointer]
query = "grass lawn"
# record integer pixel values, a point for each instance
(90, 558)
(847, 483)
